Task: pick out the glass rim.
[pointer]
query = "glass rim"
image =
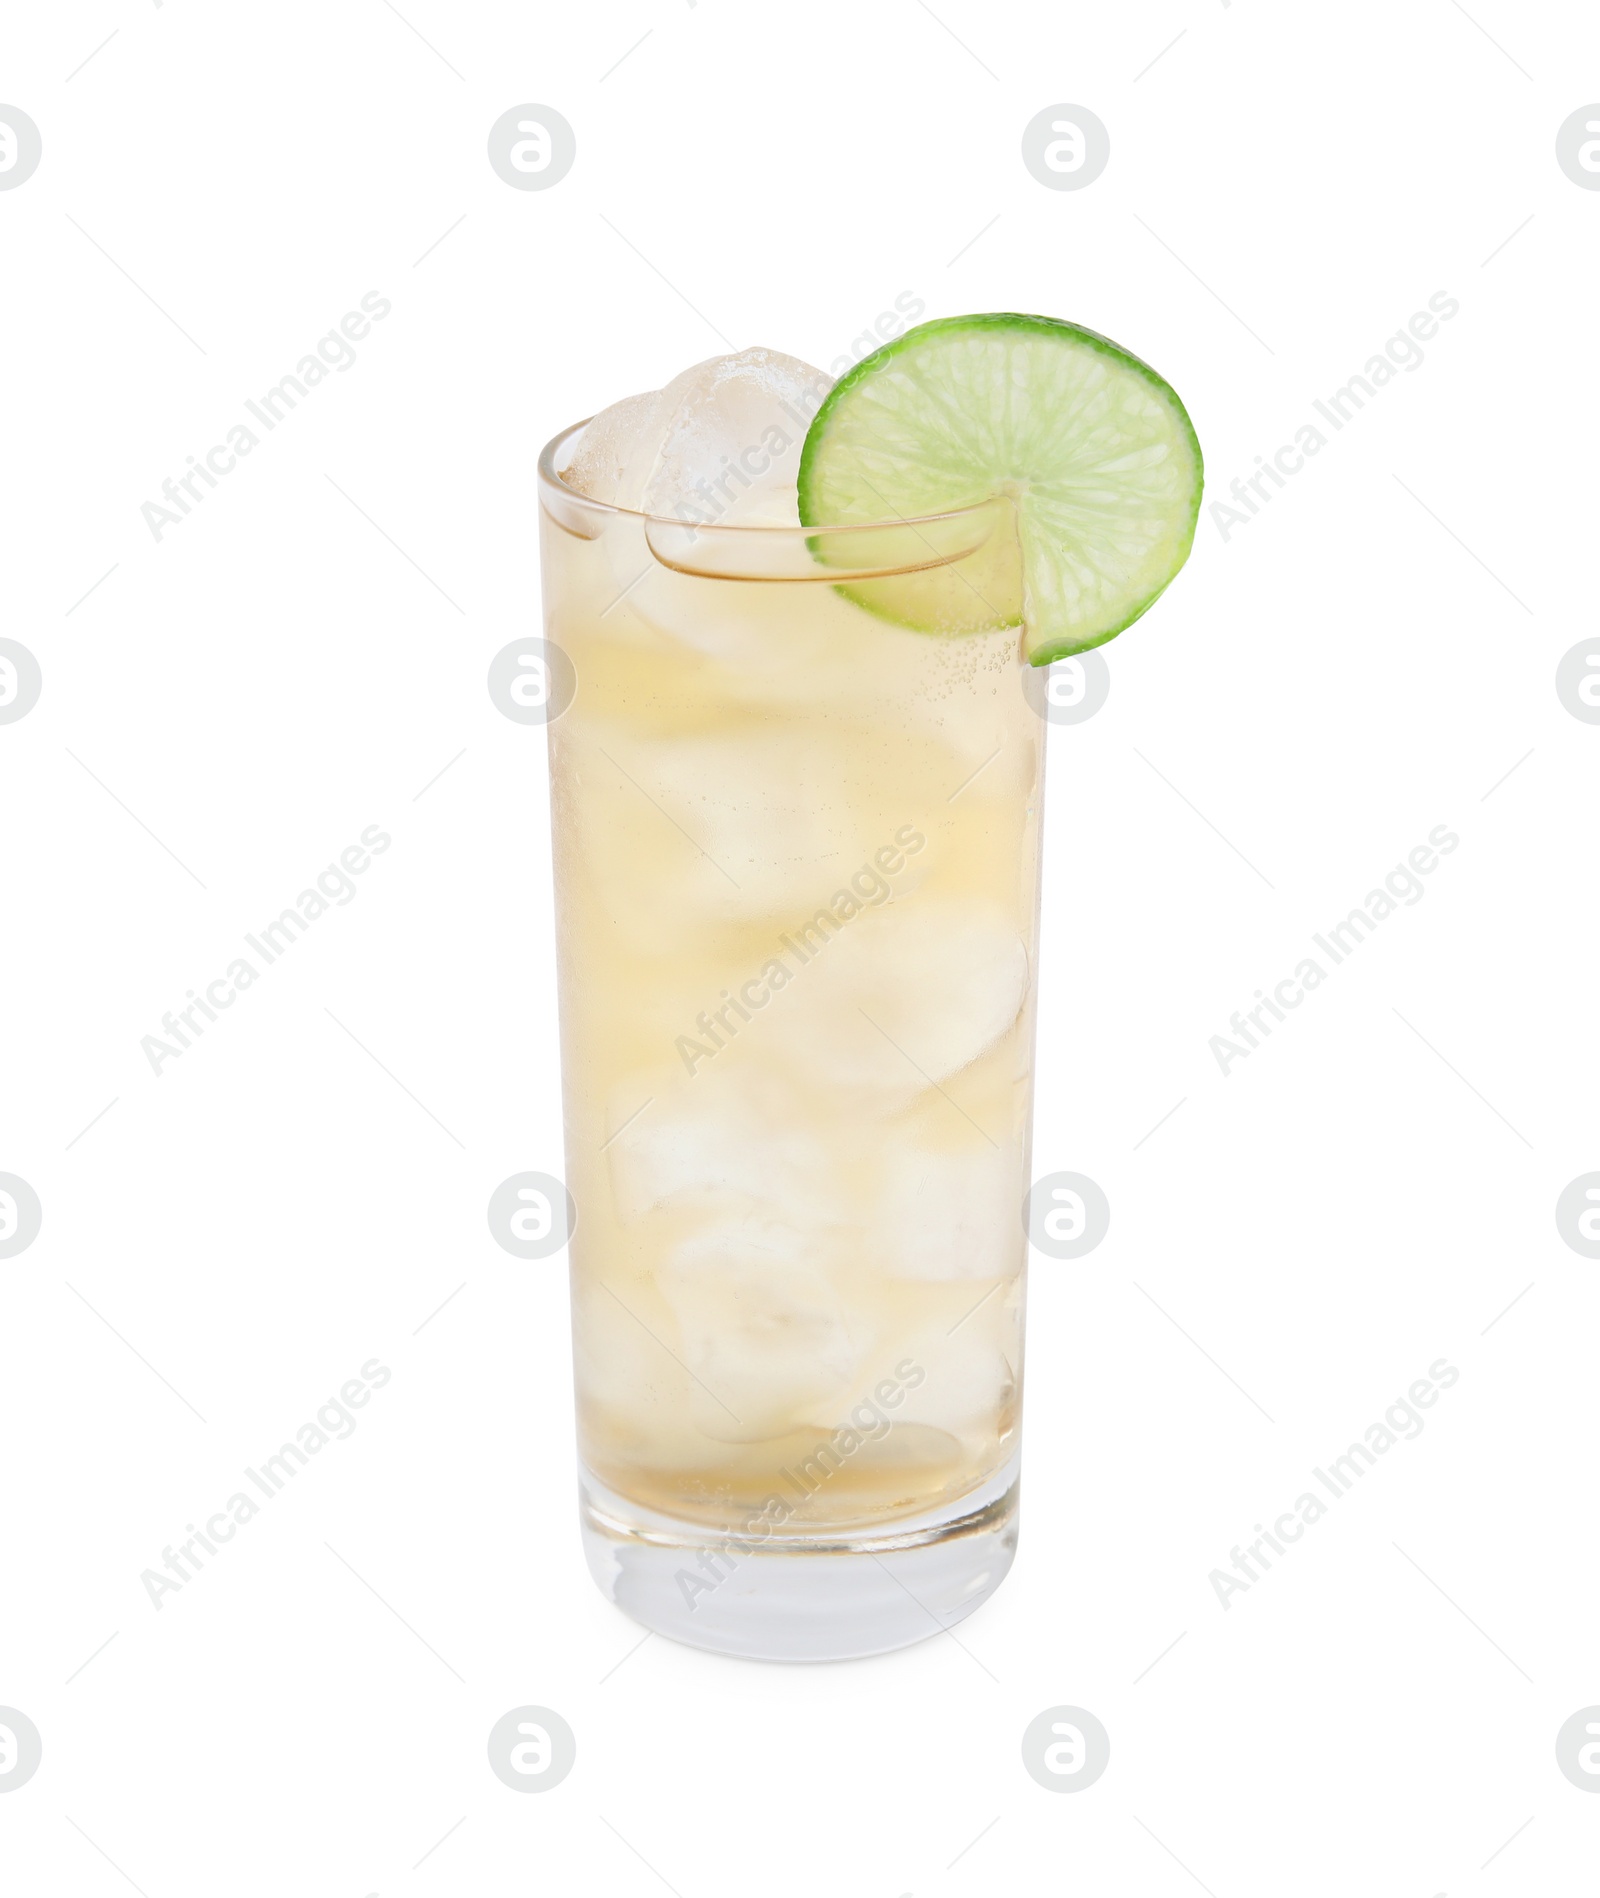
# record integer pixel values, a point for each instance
(549, 474)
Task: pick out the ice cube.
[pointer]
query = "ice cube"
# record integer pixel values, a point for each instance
(731, 451)
(729, 1137)
(759, 1327)
(971, 1383)
(767, 806)
(950, 1214)
(724, 825)
(771, 643)
(720, 443)
(600, 461)
(902, 995)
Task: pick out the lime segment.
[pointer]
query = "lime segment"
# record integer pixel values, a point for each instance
(1092, 446)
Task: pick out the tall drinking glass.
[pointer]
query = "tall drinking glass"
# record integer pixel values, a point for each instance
(796, 850)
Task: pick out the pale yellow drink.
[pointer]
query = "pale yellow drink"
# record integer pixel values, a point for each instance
(796, 866)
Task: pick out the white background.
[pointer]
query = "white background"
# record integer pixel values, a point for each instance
(229, 707)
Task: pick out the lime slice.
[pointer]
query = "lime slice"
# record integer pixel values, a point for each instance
(1094, 449)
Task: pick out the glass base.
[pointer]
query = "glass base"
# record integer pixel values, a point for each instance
(824, 1598)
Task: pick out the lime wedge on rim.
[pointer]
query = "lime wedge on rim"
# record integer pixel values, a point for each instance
(1091, 445)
